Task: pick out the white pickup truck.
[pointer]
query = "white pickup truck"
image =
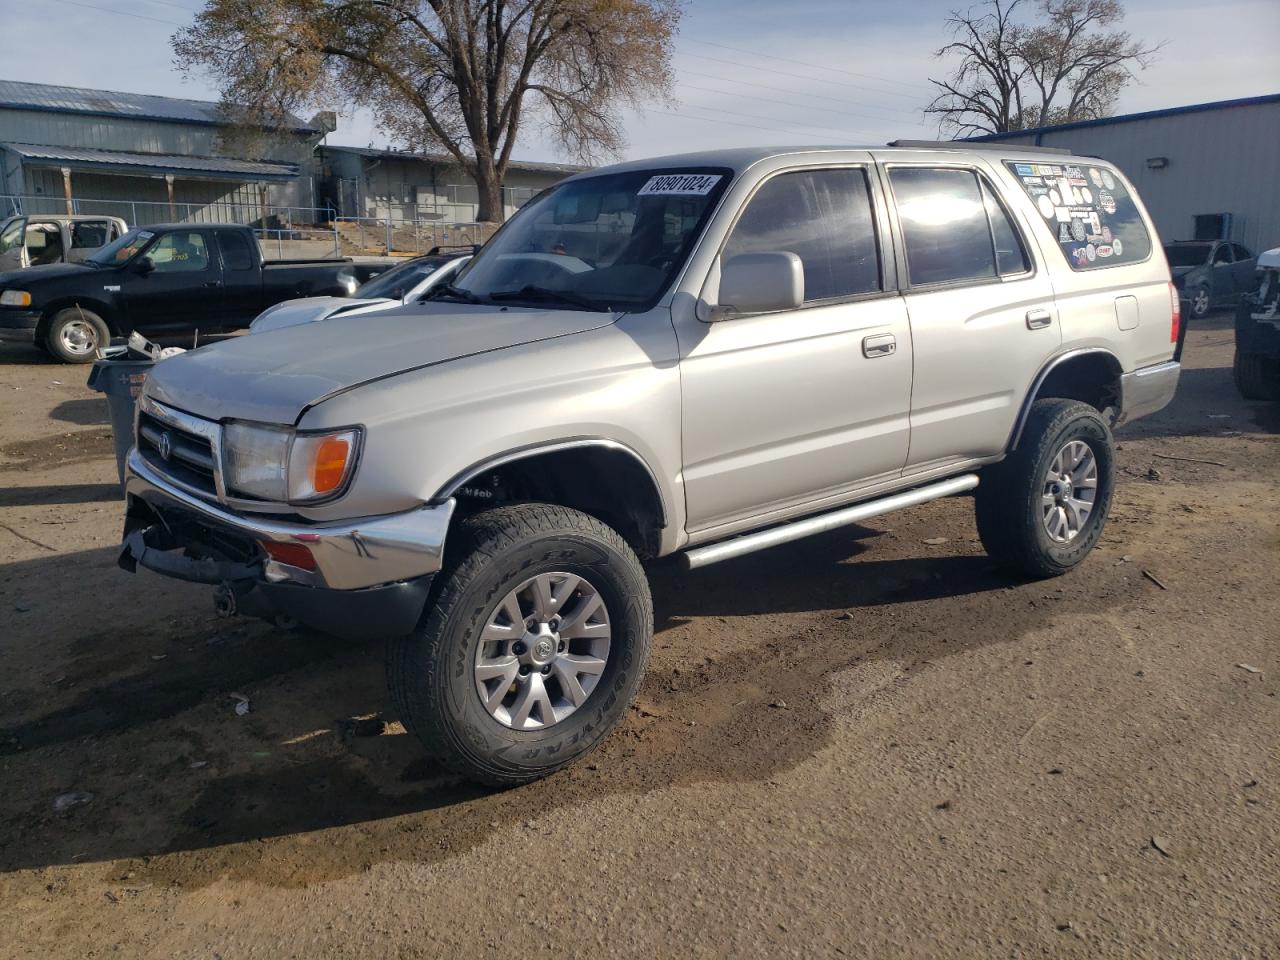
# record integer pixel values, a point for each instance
(703, 355)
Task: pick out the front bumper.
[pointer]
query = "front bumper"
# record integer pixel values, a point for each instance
(370, 576)
(18, 325)
(1147, 390)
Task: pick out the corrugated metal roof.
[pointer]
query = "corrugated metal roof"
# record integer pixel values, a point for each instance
(18, 95)
(1130, 117)
(442, 159)
(122, 161)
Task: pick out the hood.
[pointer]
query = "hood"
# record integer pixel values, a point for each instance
(274, 377)
(47, 271)
(290, 313)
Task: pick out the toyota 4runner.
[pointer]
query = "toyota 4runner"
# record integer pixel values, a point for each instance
(703, 355)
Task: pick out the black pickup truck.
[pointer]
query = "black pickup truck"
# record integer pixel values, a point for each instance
(163, 281)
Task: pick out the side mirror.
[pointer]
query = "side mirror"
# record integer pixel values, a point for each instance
(144, 266)
(759, 283)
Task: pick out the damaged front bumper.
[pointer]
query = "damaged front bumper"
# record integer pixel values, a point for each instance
(360, 578)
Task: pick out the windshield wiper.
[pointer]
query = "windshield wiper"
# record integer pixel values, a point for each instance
(547, 295)
(449, 292)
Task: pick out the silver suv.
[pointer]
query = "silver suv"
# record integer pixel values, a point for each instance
(702, 355)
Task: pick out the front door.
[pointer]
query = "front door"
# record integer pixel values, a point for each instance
(13, 235)
(1224, 283)
(983, 319)
(796, 409)
(183, 289)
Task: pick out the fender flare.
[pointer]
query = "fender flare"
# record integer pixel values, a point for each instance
(465, 476)
(1050, 365)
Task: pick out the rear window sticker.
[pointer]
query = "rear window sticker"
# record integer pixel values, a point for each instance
(1096, 176)
(680, 184)
(1055, 196)
(1064, 214)
(1117, 247)
(1091, 252)
(1046, 207)
(1107, 202)
(1064, 233)
(1024, 169)
(1086, 195)
(1078, 231)
(1104, 250)
(1108, 180)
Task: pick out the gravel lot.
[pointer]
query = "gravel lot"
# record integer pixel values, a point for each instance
(863, 745)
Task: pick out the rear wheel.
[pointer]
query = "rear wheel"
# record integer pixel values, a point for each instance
(533, 649)
(1256, 377)
(76, 335)
(1041, 510)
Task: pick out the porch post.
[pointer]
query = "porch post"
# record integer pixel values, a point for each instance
(66, 190)
(168, 185)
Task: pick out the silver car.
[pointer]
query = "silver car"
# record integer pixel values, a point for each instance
(704, 355)
(402, 284)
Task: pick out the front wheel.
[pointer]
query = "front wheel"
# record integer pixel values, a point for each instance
(1200, 302)
(76, 335)
(533, 648)
(1041, 510)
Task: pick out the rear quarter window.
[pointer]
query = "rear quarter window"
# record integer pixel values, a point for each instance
(1089, 210)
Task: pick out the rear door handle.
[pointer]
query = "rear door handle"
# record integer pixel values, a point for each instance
(1038, 318)
(880, 345)
(213, 283)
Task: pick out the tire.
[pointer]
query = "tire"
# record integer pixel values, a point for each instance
(1256, 377)
(1011, 506)
(1200, 302)
(76, 335)
(433, 672)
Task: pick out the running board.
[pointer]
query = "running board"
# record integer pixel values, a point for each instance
(749, 543)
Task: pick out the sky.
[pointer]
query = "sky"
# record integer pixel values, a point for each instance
(748, 72)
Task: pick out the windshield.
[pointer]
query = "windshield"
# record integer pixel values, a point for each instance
(1187, 255)
(121, 250)
(610, 242)
(398, 281)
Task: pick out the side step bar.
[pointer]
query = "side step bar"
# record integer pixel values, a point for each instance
(749, 543)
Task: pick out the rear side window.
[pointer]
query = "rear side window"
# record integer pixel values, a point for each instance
(954, 228)
(1089, 210)
(235, 251)
(823, 217)
(89, 234)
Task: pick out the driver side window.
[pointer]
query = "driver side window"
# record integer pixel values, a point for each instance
(824, 217)
(179, 252)
(1222, 254)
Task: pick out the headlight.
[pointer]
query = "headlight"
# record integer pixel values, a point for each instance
(15, 298)
(275, 463)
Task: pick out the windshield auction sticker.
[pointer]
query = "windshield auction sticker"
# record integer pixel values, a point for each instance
(680, 184)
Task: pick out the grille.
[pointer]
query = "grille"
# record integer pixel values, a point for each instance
(188, 458)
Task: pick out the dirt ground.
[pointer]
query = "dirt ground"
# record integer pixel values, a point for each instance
(863, 745)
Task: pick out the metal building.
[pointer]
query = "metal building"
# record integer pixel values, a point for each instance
(145, 158)
(1205, 171)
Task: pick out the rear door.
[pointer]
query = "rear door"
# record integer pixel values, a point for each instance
(183, 290)
(983, 316)
(241, 277)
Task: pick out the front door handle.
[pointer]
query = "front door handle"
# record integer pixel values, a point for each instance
(1038, 318)
(880, 345)
(213, 283)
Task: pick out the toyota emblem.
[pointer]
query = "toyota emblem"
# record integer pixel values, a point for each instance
(165, 445)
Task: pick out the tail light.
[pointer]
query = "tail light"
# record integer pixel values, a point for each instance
(1175, 326)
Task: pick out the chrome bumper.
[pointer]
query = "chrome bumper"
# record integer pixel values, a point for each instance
(349, 555)
(1147, 390)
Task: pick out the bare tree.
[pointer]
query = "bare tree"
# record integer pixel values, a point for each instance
(1011, 73)
(460, 75)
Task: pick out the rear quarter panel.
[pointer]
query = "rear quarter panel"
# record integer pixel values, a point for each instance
(1087, 299)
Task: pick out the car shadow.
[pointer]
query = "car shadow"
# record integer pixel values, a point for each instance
(89, 412)
(180, 781)
(61, 493)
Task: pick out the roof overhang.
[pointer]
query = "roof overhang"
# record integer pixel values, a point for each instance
(154, 164)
